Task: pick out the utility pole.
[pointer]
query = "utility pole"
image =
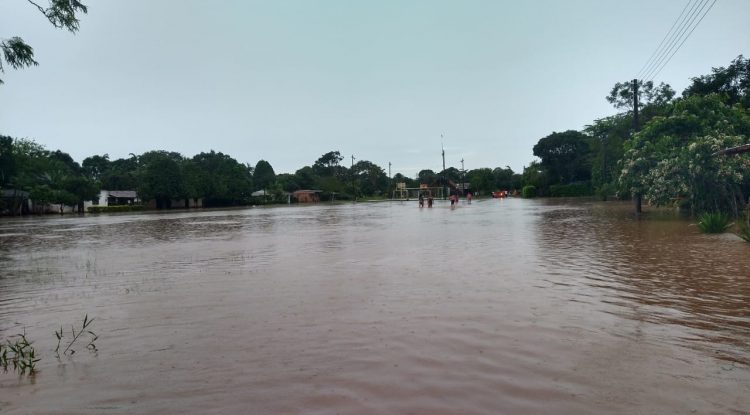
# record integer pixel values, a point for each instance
(463, 177)
(351, 173)
(636, 197)
(390, 180)
(445, 191)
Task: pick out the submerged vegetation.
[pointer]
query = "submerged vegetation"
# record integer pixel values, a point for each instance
(743, 231)
(75, 336)
(19, 355)
(713, 222)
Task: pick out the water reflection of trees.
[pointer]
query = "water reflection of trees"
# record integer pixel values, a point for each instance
(658, 270)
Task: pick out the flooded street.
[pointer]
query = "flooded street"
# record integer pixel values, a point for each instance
(502, 306)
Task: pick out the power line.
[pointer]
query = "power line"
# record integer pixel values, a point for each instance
(665, 38)
(683, 41)
(676, 36)
(679, 39)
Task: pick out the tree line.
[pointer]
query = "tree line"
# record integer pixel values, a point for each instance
(669, 154)
(53, 177)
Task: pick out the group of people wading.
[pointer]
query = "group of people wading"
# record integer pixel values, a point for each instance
(453, 198)
(421, 200)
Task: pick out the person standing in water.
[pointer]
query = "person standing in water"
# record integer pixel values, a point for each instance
(429, 201)
(421, 200)
(468, 197)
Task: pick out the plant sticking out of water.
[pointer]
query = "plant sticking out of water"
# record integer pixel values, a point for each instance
(743, 231)
(75, 336)
(713, 222)
(18, 354)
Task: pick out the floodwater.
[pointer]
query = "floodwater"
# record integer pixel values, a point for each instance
(499, 307)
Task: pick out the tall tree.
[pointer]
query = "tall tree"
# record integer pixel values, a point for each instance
(565, 156)
(328, 163)
(621, 95)
(369, 178)
(263, 175)
(95, 167)
(218, 178)
(732, 83)
(160, 177)
(481, 180)
(427, 176)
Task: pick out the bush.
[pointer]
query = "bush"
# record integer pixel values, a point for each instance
(713, 222)
(528, 191)
(119, 208)
(744, 232)
(606, 191)
(570, 190)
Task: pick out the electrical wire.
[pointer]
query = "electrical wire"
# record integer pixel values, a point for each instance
(683, 41)
(677, 36)
(648, 62)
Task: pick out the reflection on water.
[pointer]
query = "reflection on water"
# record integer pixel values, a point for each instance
(502, 306)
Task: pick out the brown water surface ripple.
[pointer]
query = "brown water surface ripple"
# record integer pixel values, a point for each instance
(502, 306)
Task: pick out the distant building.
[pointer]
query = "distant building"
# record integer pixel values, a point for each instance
(307, 196)
(114, 198)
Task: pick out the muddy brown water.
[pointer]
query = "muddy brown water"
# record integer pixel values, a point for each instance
(499, 307)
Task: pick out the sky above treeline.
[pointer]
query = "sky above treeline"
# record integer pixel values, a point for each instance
(287, 81)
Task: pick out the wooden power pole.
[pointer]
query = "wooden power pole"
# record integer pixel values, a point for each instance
(636, 197)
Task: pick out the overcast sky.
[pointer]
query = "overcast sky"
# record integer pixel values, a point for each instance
(287, 81)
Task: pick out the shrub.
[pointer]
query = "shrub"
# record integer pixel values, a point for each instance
(119, 208)
(606, 191)
(744, 232)
(570, 190)
(528, 191)
(713, 222)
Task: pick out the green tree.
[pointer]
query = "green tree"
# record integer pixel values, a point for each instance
(400, 178)
(63, 14)
(608, 136)
(535, 175)
(287, 182)
(306, 178)
(327, 164)
(160, 178)
(621, 95)
(482, 180)
(95, 167)
(122, 174)
(218, 178)
(669, 158)
(732, 83)
(566, 156)
(427, 176)
(505, 178)
(369, 179)
(263, 175)
(7, 161)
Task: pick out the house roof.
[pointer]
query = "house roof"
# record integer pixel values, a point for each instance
(130, 194)
(259, 193)
(308, 191)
